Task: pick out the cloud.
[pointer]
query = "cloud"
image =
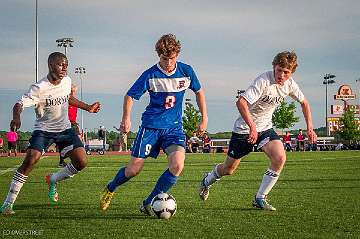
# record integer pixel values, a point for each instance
(229, 42)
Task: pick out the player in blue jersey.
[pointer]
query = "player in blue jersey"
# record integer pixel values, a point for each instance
(161, 126)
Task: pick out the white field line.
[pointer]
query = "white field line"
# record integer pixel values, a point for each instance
(9, 170)
(343, 157)
(2, 172)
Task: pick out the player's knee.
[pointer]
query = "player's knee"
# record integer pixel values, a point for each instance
(32, 157)
(80, 163)
(282, 159)
(176, 168)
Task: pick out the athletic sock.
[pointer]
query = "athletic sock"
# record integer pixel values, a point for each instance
(66, 172)
(212, 177)
(119, 179)
(15, 187)
(269, 179)
(164, 183)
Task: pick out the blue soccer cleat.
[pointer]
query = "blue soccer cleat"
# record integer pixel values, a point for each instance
(146, 209)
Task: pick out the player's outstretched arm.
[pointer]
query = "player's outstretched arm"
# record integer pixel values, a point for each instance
(93, 108)
(125, 124)
(308, 119)
(16, 121)
(200, 100)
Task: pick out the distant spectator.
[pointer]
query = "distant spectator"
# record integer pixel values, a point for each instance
(72, 111)
(341, 146)
(206, 143)
(102, 135)
(122, 139)
(300, 141)
(1, 145)
(194, 143)
(12, 138)
(287, 141)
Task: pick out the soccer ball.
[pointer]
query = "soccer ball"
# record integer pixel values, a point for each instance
(163, 205)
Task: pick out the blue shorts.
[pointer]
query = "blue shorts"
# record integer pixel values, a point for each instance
(239, 145)
(148, 141)
(66, 140)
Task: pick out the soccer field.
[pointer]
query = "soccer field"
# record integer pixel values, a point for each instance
(317, 196)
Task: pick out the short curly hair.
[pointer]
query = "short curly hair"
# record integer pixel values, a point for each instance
(167, 45)
(55, 55)
(286, 60)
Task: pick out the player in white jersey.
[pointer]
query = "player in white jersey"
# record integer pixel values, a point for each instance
(51, 97)
(254, 126)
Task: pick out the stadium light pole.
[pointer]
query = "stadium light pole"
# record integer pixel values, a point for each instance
(36, 43)
(80, 71)
(358, 80)
(327, 80)
(65, 42)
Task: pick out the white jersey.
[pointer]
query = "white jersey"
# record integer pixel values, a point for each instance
(263, 96)
(51, 104)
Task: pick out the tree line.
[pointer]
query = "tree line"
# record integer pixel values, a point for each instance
(283, 119)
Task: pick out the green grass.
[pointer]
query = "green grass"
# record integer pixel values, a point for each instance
(317, 196)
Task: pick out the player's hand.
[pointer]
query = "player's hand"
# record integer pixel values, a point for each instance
(253, 135)
(201, 128)
(15, 123)
(125, 126)
(94, 108)
(312, 136)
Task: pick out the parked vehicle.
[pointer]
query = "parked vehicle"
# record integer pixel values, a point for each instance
(96, 145)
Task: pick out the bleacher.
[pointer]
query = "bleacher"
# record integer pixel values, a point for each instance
(219, 145)
(326, 143)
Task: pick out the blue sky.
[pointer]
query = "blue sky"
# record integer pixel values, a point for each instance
(227, 42)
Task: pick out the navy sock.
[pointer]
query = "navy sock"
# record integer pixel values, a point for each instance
(164, 183)
(119, 179)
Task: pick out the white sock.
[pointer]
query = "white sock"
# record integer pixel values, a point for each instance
(66, 172)
(212, 177)
(269, 179)
(15, 187)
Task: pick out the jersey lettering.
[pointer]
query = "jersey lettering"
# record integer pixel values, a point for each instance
(170, 101)
(147, 149)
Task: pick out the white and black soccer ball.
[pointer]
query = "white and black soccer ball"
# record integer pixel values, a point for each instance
(164, 205)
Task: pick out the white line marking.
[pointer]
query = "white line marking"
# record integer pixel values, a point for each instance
(2, 172)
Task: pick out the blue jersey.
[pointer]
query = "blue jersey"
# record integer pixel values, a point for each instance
(166, 92)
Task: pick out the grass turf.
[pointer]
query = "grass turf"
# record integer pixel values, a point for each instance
(317, 196)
